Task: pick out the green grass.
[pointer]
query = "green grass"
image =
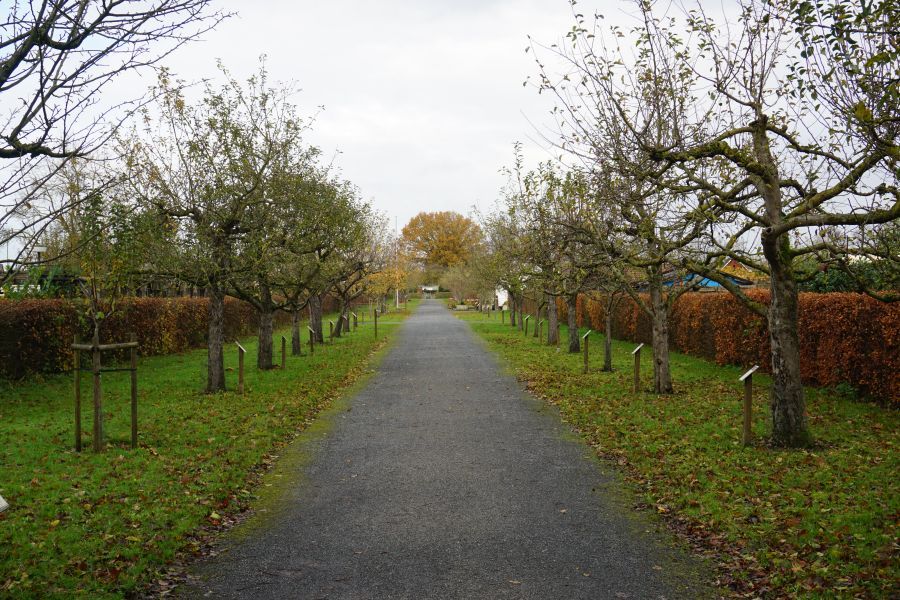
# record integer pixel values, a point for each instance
(103, 525)
(815, 523)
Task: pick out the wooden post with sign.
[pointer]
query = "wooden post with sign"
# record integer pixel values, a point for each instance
(637, 368)
(312, 340)
(134, 411)
(525, 320)
(747, 378)
(376, 323)
(331, 330)
(540, 334)
(584, 340)
(355, 321)
(241, 353)
(283, 352)
(77, 367)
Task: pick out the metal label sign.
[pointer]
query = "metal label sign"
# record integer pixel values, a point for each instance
(748, 373)
(638, 349)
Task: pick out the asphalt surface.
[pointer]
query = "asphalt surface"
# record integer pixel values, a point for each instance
(443, 479)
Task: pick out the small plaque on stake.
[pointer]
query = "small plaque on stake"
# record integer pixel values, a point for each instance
(239, 346)
(589, 332)
(638, 349)
(748, 373)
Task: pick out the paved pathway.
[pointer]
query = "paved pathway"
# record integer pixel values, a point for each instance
(445, 480)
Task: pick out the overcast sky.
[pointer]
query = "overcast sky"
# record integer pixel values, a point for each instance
(423, 99)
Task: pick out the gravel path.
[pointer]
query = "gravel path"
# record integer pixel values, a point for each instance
(443, 479)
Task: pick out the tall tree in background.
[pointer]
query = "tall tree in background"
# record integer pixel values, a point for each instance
(438, 240)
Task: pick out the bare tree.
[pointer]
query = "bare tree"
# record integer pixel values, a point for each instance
(57, 58)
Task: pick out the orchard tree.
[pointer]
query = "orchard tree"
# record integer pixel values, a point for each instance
(438, 240)
(204, 166)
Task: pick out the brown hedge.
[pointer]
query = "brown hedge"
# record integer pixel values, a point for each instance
(844, 337)
(35, 335)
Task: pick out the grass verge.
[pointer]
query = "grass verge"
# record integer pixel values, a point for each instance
(814, 523)
(103, 525)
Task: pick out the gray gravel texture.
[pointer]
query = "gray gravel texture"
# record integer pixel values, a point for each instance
(442, 478)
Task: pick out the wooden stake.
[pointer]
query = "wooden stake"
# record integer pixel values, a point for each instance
(241, 353)
(283, 351)
(312, 340)
(134, 395)
(376, 323)
(747, 378)
(77, 363)
(98, 398)
(584, 340)
(637, 368)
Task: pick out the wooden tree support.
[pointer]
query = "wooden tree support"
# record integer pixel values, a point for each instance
(375, 312)
(283, 351)
(747, 378)
(355, 321)
(312, 340)
(540, 327)
(331, 330)
(241, 353)
(525, 320)
(584, 341)
(637, 368)
(96, 348)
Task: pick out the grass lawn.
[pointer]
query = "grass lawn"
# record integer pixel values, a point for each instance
(815, 523)
(102, 525)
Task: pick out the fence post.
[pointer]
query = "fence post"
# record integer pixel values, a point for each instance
(376, 323)
(312, 340)
(540, 326)
(283, 351)
(98, 398)
(331, 330)
(241, 353)
(502, 317)
(637, 368)
(77, 363)
(747, 378)
(134, 394)
(585, 339)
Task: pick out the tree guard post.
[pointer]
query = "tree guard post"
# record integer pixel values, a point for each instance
(283, 352)
(241, 353)
(637, 368)
(312, 340)
(585, 339)
(134, 395)
(98, 396)
(77, 368)
(747, 378)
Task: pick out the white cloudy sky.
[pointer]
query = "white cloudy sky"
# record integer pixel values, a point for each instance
(423, 99)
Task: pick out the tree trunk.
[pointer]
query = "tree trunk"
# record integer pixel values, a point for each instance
(607, 342)
(215, 344)
(574, 339)
(264, 336)
(339, 326)
(521, 304)
(552, 322)
(662, 377)
(512, 311)
(266, 328)
(315, 317)
(537, 317)
(296, 342)
(788, 406)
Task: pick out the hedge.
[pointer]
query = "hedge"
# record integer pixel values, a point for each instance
(845, 338)
(36, 335)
